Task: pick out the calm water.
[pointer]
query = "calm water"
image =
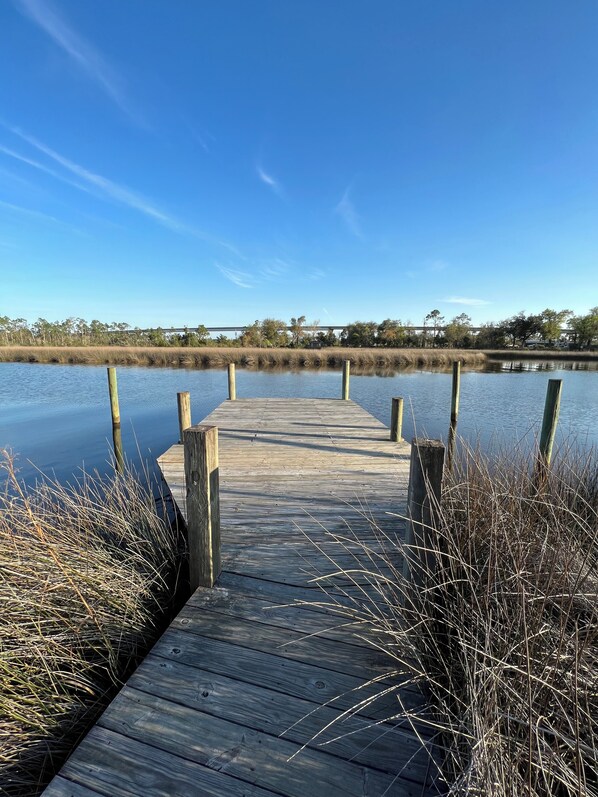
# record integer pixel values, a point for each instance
(57, 418)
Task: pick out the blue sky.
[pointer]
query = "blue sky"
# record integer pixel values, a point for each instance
(171, 163)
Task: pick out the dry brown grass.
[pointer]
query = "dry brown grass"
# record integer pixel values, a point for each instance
(503, 635)
(209, 357)
(86, 576)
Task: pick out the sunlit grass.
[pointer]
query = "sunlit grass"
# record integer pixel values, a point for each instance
(503, 634)
(86, 576)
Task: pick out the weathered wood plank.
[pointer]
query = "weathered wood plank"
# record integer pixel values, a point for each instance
(249, 755)
(239, 682)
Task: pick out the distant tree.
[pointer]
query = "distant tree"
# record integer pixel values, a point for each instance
(457, 333)
(297, 325)
(252, 335)
(391, 333)
(274, 333)
(436, 320)
(490, 336)
(327, 338)
(585, 329)
(552, 322)
(520, 328)
(360, 334)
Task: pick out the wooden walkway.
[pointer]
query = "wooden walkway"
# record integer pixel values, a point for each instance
(246, 692)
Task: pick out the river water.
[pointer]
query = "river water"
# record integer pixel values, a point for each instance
(56, 418)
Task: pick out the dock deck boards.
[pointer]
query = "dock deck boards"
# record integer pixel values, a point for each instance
(248, 693)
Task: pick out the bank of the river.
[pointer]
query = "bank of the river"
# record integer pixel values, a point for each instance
(217, 357)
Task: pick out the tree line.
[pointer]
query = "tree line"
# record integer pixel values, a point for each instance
(517, 331)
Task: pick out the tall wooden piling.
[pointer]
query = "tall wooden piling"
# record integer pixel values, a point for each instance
(455, 394)
(423, 499)
(184, 408)
(396, 420)
(346, 378)
(119, 458)
(232, 385)
(203, 504)
(549, 421)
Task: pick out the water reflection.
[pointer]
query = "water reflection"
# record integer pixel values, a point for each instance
(58, 416)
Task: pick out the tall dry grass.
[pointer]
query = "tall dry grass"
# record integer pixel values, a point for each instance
(86, 575)
(503, 634)
(208, 357)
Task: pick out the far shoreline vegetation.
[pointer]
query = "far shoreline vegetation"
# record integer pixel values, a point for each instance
(273, 343)
(552, 329)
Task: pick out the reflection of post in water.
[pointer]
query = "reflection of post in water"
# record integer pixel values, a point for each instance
(115, 411)
(452, 435)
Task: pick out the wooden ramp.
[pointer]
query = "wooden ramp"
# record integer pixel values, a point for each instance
(249, 692)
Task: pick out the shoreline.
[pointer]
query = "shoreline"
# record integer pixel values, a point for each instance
(330, 358)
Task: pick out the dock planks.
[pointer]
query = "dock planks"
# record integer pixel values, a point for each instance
(250, 690)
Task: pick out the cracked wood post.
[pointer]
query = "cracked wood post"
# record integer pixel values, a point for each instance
(203, 504)
(184, 408)
(456, 392)
(423, 500)
(232, 386)
(346, 378)
(119, 459)
(396, 420)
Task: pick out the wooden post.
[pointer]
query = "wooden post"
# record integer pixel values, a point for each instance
(452, 435)
(117, 441)
(549, 421)
(346, 378)
(203, 504)
(232, 387)
(184, 407)
(423, 500)
(396, 420)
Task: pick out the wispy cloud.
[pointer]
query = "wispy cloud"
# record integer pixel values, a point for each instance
(39, 215)
(240, 278)
(464, 300)
(274, 269)
(100, 185)
(104, 188)
(83, 52)
(346, 210)
(270, 181)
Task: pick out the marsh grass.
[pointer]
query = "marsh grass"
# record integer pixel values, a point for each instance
(503, 635)
(209, 357)
(86, 576)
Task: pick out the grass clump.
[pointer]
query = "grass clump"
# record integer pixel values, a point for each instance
(503, 633)
(86, 575)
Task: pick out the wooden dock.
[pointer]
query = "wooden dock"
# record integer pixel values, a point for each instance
(250, 692)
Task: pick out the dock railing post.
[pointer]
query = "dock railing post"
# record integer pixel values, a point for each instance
(452, 435)
(119, 459)
(346, 378)
(232, 386)
(423, 502)
(203, 504)
(549, 423)
(184, 408)
(396, 420)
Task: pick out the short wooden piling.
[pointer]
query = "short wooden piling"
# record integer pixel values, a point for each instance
(232, 385)
(423, 499)
(346, 378)
(184, 408)
(396, 420)
(203, 504)
(117, 441)
(549, 421)
(456, 392)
